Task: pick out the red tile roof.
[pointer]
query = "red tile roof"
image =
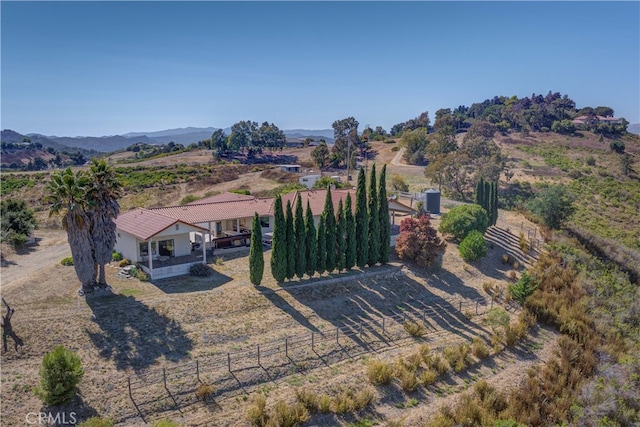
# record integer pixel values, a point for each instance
(212, 212)
(223, 197)
(317, 198)
(144, 223)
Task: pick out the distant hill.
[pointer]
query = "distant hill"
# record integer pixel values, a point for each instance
(634, 128)
(103, 144)
(9, 135)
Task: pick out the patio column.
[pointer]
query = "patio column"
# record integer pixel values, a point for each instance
(210, 236)
(150, 259)
(204, 250)
(238, 225)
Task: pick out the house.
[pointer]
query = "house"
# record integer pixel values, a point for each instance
(290, 168)
(309, 180)
(160, 244)
(582, 121)
(316, 199)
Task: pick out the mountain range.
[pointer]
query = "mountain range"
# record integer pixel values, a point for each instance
(183, 136)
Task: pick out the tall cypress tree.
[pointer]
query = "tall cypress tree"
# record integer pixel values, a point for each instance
(495, 204)
(256, 256)
(480, 192)
(383, 217)
(350, 232)
(374, 222)
(279, 242)
(330, 231)
(362, 221)
(489, 206)
(300, 241)
(321, 265)
(311, 241)
(341, 241)
(291, 237)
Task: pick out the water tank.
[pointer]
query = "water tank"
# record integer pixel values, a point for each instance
(433, 201)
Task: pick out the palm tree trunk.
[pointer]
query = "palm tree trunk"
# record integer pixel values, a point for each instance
(79, 239)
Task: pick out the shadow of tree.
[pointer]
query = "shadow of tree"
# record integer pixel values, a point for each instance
(134, 335)
(73, 412)
(186, 284)
(283, 305)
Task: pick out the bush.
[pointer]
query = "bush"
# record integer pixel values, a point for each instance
(200, 270)
(479, 348)
(473, 246)
(428, 377)
(379, 373)
(408, 380)
(457, 356)
(553, 205)
(116, 256)
(257, 413)
(523, 288)
(67, 261)
(97, 422)
(165, 423)
(309, 399)
(60, 374)
(285, 415)
(617, 146)
(590, 161)
(462, 219)
(204, 391)
(418, 241)
(124, 262)
(324, 404)
(414, 329)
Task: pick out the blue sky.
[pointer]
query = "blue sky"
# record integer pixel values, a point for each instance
(103, 68)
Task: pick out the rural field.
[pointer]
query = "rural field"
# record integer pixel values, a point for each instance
(149, 349)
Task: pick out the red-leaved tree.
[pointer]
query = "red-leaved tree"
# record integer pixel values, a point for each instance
(418, 241)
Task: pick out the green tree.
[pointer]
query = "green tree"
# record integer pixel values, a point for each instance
(103, 210)
(362, 221)
(398, 184)
(473, 246)
(17, 221)
(494, 202)
(218, 142)
(346, 141)
(350, 231)
(462, 219)
(320, 155)
(291, 237)
(300, 240)
(321, 265)
(383, 218)
(480, 192)
(330, 231)
(256, 256)
(415, 143)
(60, 374)
(326, 181)
(523, 288)
(279, 242)
(374, 220)
(341, 241)
(553, 205)
(67, 194)
(311, 241)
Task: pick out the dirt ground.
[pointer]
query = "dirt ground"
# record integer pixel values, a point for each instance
(143, 327)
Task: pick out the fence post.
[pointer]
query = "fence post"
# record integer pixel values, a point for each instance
(477, 302)
(198, 370)
(460, 309)
(229, 361)
(164, 377)
(383, 326)
(259, 355)
(312, 342)
(286, 347)
(337, 332)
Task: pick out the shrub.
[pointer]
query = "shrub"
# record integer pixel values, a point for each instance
(285, 415)
(308, 398)
(60, 374)
(257, 412)
(379, 372)
(350, 401)
(200, 270)
(124, 262)
(506, 259)
(462, 219)
(523, 288)
(523, 243)
(479, 348)
(473, 246)
(219, 260)
(428, 377)
(617, 146)
(140, 274)
(414, 329)
(553, 205)
(189, 198)
(408, 380)
(457, 356)
(97, 422)
(324, 404)
(440, 365)
(67, 261)
(488, 287)
(204, 391)
(116, 256)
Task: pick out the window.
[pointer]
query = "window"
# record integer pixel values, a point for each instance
(144, 248)
(264, 221)
(166, 248)
(177, 226)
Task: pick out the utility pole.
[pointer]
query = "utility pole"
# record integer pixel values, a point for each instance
(348, 155)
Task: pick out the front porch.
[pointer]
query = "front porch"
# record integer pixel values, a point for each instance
(162, 267)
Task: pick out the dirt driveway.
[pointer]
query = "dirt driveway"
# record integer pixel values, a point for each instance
(50, 247)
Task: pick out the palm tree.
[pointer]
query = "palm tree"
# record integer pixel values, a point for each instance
(104, 208)
(67, 193)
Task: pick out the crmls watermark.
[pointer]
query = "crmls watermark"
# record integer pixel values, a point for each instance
(51, 418)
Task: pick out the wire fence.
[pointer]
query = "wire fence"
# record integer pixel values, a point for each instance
(239, 372)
